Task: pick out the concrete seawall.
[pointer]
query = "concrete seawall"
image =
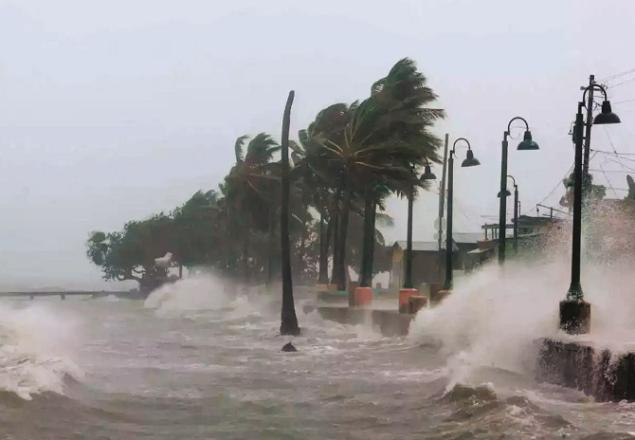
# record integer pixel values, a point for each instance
(388, 322)
(595, 371)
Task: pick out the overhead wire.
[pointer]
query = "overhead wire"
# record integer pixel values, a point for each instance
(617, 75)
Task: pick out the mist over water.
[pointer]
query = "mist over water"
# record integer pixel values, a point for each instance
(201, 359)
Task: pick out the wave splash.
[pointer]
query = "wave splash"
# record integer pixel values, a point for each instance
(36, 350)
(496, 318)
(204, 293)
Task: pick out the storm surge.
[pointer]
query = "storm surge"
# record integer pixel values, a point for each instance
(36, 349)
(494, 318)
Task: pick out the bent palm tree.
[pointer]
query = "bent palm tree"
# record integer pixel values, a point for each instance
(288, 318)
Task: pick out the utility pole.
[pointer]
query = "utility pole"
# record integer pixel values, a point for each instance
(516, 214)
(442, 199)
(587, 133)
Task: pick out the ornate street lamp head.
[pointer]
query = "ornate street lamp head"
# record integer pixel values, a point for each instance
(470, 160)
(427, 174)
(527, 142)
(606, 116)
(507, 193)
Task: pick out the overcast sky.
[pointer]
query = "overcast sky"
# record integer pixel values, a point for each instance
(118, 109)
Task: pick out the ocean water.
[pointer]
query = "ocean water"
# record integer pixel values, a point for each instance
(193, 362)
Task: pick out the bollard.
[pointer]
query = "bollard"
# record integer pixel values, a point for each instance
(404, 296)
(361, 296)
(416, 303)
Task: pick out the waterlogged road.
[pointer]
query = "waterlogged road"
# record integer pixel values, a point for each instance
(191, 363)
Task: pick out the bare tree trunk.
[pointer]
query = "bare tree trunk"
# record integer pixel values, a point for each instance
(288, 318)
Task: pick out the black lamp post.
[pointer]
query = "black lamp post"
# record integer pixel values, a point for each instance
(469, 161)
(575, 313)
(427, 175)
(516, 210)
(526, 144)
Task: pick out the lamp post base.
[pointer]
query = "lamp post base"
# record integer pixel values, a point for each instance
(575, 316)
(361, 296)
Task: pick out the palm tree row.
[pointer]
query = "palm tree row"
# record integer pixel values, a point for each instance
(354, 156)
(341, 170)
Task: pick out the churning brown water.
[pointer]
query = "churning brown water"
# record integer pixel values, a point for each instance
(192, 363)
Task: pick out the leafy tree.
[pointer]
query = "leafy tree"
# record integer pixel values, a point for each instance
(249, 189)
(130, 254)
(385, 138)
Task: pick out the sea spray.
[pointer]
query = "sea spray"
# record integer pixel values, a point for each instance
(201, 292)
(208, 292)
(494, 316)
(36, 349)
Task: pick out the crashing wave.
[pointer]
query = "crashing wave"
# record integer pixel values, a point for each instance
(34, 351)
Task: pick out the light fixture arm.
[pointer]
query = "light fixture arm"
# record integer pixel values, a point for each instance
(593, 86)
(516, 118)
(469, 147)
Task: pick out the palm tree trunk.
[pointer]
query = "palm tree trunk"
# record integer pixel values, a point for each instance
(408, 275)
(288, 318)
(270, 253)
(302, 256)
(368, 241)
(336, 237)
(343, 230)
(325, 236)
(246, 257)
(373, 239)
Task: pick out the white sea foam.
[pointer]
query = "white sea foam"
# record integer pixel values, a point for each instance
(36, 348)
(494, 317)
(201, 292)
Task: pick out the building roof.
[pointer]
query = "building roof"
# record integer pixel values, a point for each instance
(467, 237)
(422, 246)
(531, 220)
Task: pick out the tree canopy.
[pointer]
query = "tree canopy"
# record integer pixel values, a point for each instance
(343, 166)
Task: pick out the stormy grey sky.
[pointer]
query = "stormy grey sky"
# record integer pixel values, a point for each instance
(112, 110)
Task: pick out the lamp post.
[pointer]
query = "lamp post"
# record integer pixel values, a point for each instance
(516, 214)
(526, 144)
(408, 286)
(575, 313)
(516, 210)
(469, 161)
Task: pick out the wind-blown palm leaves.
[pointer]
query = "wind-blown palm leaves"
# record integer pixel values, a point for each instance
(383, 141)
(250, 189)
(347, 161)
